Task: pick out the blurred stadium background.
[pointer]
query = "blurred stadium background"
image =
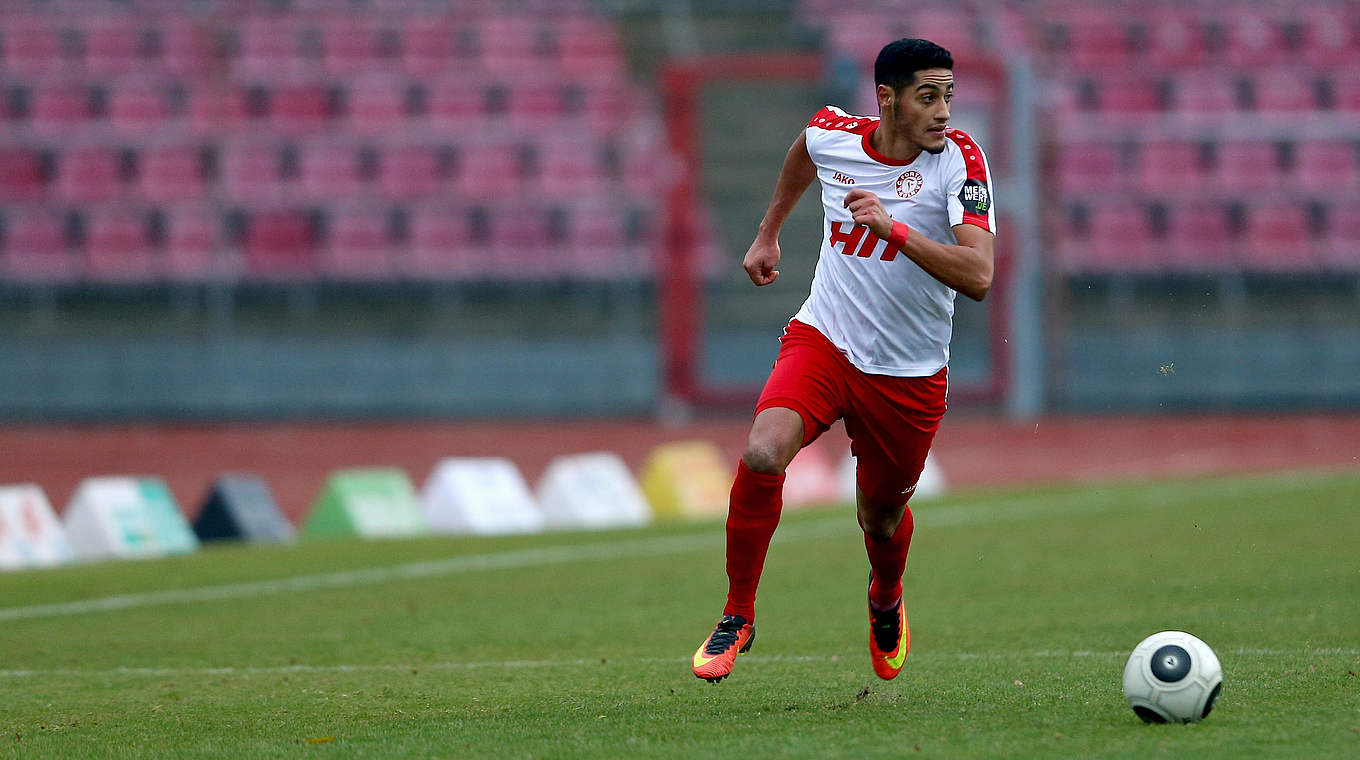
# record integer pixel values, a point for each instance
(291, 235)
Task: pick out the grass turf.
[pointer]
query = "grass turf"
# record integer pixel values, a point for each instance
(1023, 607)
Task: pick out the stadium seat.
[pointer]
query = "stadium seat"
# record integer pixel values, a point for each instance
(952, 28)
(1120, 240)
(1088, 166)
(251, 172)
(1285, 91)
(187, 47)
(1326, 167)
(1247, 166)
(139, 107)
(59, 107)
(1173, 38)
(171, 173)
(490, 170)
(1096, 38)
(1205, 92)
(117, 246)
(456, 103)
(279, 245)
(330, 171)
(113, 46)
(427, 45)
(1169, 167)
(535, 103)
(194, 251)
(376, 106)
(590, 48)
(1134, 94)
(35, 248)
(518, 45)
(1346, 90)
(442, 245)
(32, 45)
(1331, 38)
(599, 240)
(350, 44)
(357, 247)
(300, 108)
(269, 48)
(88, 174)
(1278, 238)
(519, 248)
(570, 165)
(217, 109)
(410, 172)
(23, 174)
(1254, 38)
(1199, 237)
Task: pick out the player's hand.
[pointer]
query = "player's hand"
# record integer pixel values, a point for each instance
(761, 259)
(868, 210)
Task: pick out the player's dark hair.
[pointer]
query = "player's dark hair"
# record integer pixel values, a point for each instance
(898, 62)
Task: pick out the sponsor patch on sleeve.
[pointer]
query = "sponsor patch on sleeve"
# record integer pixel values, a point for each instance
(975, 197)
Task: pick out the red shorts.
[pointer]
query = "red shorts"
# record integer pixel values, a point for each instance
(891, 421)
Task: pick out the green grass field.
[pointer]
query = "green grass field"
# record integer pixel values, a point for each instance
(1023, 606)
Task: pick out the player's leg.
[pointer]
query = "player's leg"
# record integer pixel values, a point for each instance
(891, 430)
(793, 410)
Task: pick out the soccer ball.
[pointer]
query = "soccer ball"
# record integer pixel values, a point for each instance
(1172, 677)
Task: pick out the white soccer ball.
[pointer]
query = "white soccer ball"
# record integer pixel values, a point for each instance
(1172, 677)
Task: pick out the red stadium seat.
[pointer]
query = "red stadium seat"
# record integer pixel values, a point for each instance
(432, 45)
(1120, 240)
(1326, 167)
(490, 170)
(23, 174)
(1199, 237)
(535, 103)
(457, 103)
(117, 247)
(1174, 38)
(1284, 90)
(599, 241)
(59, 107)
(1277, 238)
(590, 48)
(376, 106)
(138, 107)
(1169, 167)
(113, 46)
(279, 246)
(410, 172)
(1211, 93)
(218, 108)
(1244, 167)
(193, 247)
(88, 174)
(1133, 94)
(187, 47)
(250, 172)
(350, 44)
(269, 47)
(1254, 38)
(519, 247)
(1331, 38)
(32, 46)
(357, 247)
(330, 171)
(1346, 90)
(518, 45)
(442, 245)
(35, 248)
(570, 166)
(1089, 166)
(1096, 38)
(299, 108)
(171, 173)
(951, 28)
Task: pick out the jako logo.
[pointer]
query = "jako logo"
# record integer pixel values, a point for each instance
(844, 179)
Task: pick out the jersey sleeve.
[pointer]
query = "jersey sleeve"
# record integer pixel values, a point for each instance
(970, 185)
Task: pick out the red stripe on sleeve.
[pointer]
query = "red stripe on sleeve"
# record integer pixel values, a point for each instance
(976, 164)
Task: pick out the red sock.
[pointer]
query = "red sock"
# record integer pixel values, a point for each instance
(752, 515)
(889, 560)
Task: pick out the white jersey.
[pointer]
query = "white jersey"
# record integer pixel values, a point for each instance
(882, 310)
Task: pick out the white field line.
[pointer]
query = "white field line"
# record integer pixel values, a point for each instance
(1016, 657)
(982, 510)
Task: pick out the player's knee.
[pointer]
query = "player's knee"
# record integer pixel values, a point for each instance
(763, 457)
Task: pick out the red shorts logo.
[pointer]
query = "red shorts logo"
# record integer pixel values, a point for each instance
(909, 184)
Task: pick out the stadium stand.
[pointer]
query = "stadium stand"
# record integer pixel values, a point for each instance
(287, 140)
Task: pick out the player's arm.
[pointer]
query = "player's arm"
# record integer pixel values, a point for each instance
(794, 178)
(966, 267)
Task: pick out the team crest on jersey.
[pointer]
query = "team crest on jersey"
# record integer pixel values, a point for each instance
(909, 184)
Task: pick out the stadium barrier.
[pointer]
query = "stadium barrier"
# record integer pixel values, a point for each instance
(483, 496)
(241, 507)
(593, 490)
(366, 503)
(30, 534)
(125, 517)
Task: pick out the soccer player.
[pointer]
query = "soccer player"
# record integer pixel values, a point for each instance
(909, 222)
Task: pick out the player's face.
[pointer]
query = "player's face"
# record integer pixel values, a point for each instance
(920, 111)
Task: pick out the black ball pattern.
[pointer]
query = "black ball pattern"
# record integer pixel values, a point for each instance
(1170, 663)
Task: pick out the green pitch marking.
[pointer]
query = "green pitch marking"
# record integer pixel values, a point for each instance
(1023, 607)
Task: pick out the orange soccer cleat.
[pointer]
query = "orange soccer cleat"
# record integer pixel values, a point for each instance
(714, 658)
(889, 638)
